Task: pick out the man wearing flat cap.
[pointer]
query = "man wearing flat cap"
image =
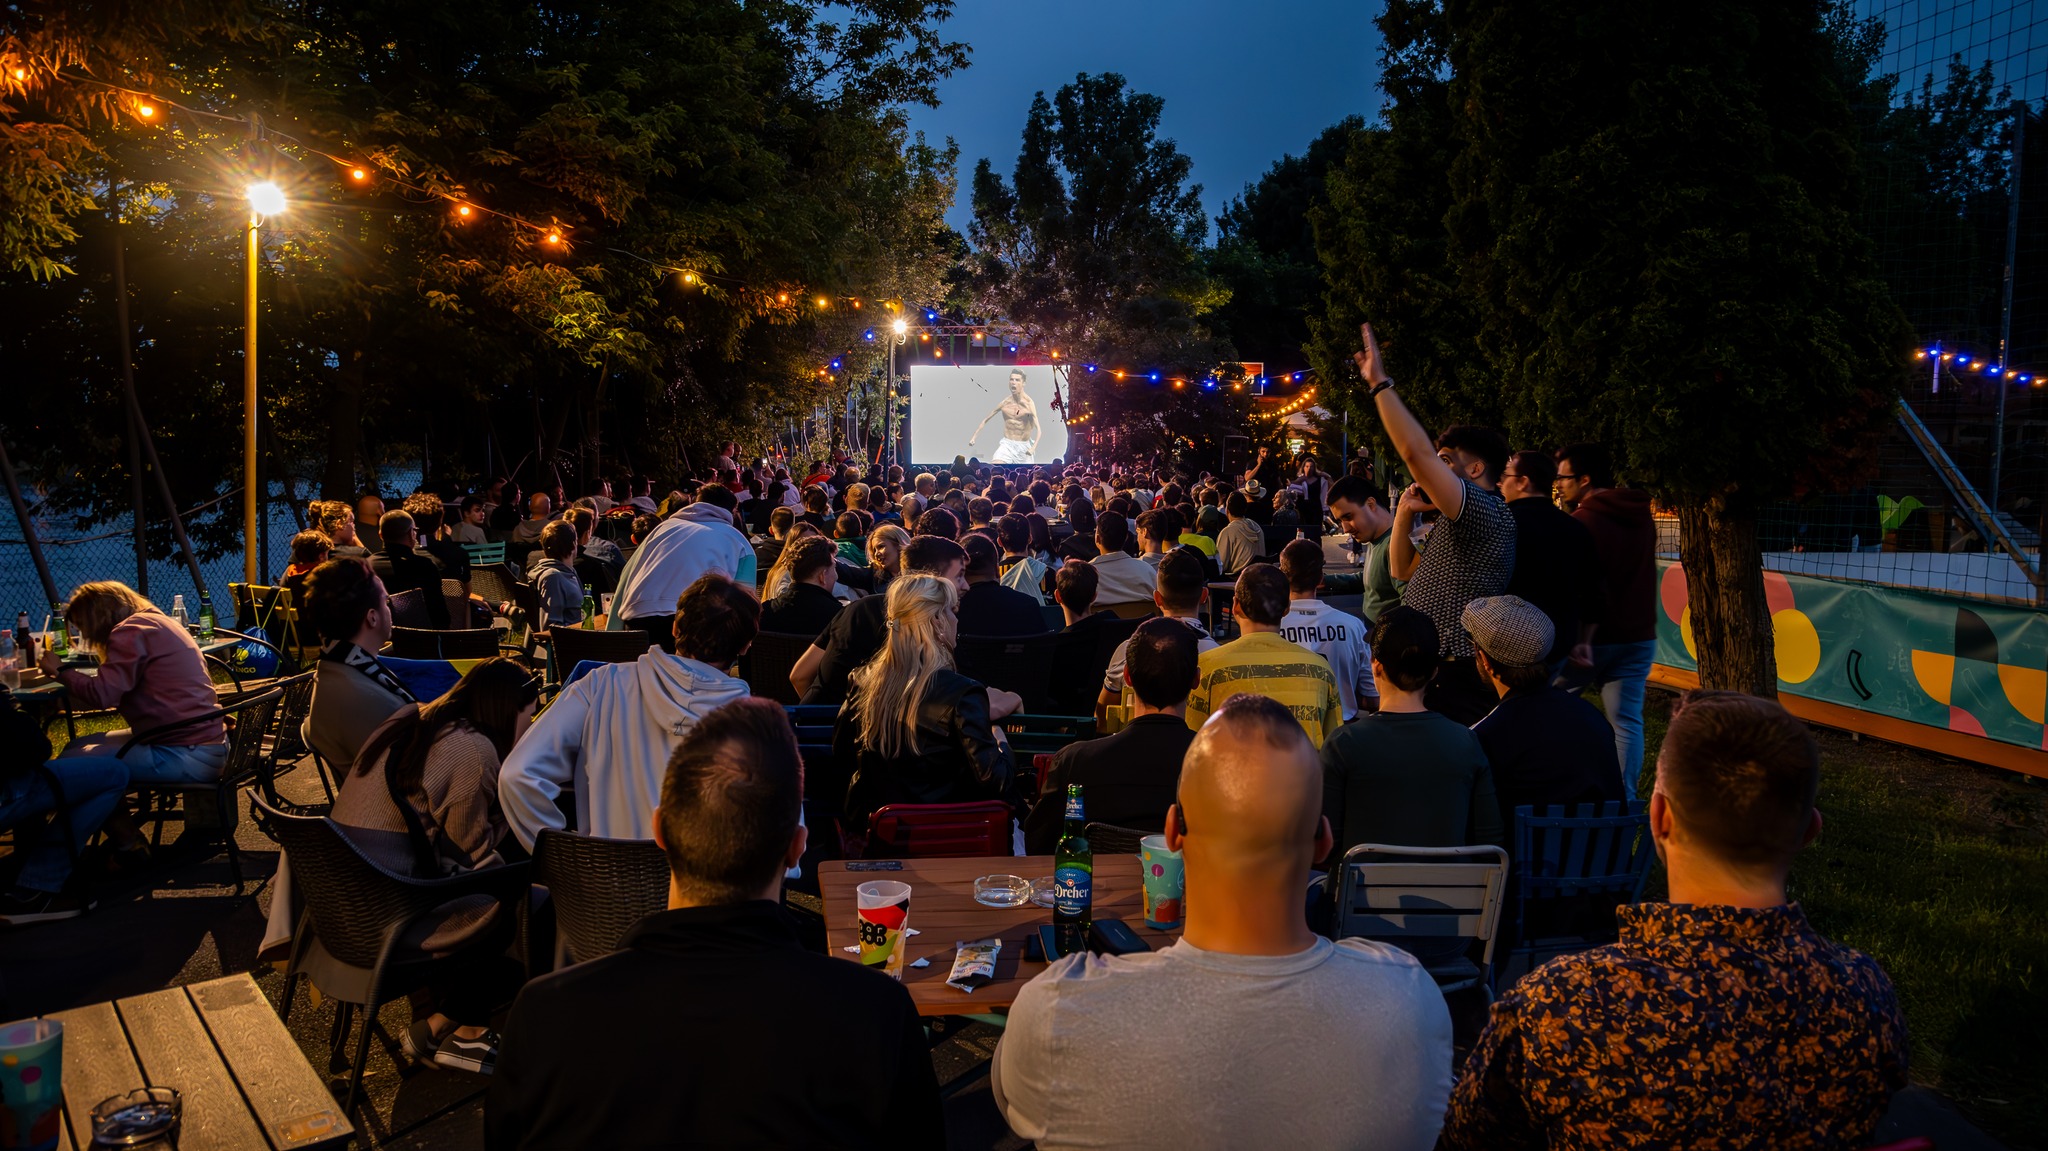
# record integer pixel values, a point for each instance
(1545, 744)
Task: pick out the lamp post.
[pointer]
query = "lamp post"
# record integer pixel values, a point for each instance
(898, 332)
(265, 199)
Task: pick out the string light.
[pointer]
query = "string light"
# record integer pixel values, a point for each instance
(358, 174)
(146, 111)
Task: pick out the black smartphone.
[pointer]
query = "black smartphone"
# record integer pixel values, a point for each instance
(874, 865)
(1115, 937)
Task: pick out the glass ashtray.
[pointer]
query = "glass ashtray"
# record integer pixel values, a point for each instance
(1042, 891)
(140, 1116)
(1002, 891)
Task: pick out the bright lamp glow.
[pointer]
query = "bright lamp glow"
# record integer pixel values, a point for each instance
(899, 327)
(266, 199)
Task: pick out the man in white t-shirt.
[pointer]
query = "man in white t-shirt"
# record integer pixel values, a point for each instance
(1180, 588)
(1251, 1031)
(1337, 636)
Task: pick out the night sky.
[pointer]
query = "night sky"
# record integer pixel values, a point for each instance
(1244, 84)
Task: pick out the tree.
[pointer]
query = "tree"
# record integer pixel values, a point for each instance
(1265, 251)
(1094, 250)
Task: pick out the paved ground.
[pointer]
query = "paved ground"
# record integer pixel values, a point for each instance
(186, 922)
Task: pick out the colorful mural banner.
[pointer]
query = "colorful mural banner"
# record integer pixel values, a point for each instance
(1970, 667)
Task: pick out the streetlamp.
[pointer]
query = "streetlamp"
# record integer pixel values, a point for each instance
(899, 329)
(265, 199)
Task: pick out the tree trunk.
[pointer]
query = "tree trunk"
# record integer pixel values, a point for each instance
(344, 428)
(1724, 578)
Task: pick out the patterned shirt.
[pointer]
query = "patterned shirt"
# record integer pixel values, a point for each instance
(1265, 663)
(1467, 558)
(1706, 1028)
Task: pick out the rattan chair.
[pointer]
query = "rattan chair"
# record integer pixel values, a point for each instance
(249, 722)
(409, 609)
(767, 664)
(599, 888)
(351, 936)
(1109, 839)
(426, 643)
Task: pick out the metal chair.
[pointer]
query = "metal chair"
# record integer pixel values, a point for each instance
(354, 937)
(254, 663)
(1568, 858)
(485, 553)
(1109, 839)
(1032, 734)
(1022, 664)
(1435, 902)
(271, 613)
(249, 721)
(426, 643)
(599, 888)
(573, 645)
(409, 609)
(767, 664)
(287, 749)
(940, 830)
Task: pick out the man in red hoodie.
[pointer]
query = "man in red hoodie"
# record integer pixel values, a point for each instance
(1616, 647)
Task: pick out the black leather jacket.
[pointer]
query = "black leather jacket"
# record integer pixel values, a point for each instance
(956, 759)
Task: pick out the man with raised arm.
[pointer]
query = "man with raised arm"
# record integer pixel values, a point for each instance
(1470, 553)
(1020, 424)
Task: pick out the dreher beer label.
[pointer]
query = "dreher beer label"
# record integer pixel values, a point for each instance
(1071, 889)
(1074, 807)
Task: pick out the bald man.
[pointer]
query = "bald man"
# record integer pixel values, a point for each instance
(1251, 1031)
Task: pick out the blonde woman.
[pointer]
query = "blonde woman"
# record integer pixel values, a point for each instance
(151, 672)
(885, 554)
(914, 730)
(779, 575)
(337, 521)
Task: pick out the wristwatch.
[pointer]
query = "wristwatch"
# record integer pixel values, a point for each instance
(1382, 386)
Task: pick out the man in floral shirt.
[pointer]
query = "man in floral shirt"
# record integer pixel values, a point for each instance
(1721, 1019)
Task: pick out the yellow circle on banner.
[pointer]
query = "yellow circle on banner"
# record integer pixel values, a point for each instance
(1798, 645)
(1685, 633)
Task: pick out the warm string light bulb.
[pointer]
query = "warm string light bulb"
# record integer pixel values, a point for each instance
(358, 174)
(146, 111)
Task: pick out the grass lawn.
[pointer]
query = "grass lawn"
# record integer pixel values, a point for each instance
(1939, 870)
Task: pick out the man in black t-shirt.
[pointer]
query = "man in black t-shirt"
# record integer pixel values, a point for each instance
(402, 569)
(859, 629)
(987, 608)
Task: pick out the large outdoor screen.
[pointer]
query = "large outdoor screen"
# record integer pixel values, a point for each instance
(998, 414)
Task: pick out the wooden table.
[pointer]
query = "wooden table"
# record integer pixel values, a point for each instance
(943, 910)
(244, 1083)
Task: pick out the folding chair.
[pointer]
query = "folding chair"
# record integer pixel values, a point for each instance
(249, 721)
(1435, 902)
(940, 830)
(1567, 860)
(485, 553)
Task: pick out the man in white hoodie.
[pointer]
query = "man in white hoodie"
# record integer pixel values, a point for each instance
(609, 735)
(698, 539)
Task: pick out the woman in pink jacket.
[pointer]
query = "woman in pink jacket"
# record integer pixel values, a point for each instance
(151, 672)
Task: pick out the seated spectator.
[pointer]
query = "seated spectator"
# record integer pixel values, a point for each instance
(987, 608)
(1158, 534)
(369, 508)
(937, 521)
(1721, 1018)
(442, 757)
(1546, 745)
(310, 549)
(1242, 541)
(1179, 593)
(77, 796)
(1074, 590)
(427, 514)
(913, 729)
(589, 543)
(1129, 778)
(1337, 636)
(1274, 1036)
(1263, 662)
(609, 735)
(540, 512)
(353, 692)
(1405, 774)
(1121, 578)
(1287, 510)
(151, 672)
(857, 632)
(506, 508)
(403, 569)
(885, 555)
(643, 526)
(561, 590)
(1021, 571)
(723, 967)
(698, 539)
(817, 509)
(469, 526)
(1081, 520)
(981, 517)
(847, 533)
(805, 605)
(337, 521)
(768, 548)
(643, 495)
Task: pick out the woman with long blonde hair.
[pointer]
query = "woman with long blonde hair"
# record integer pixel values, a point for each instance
(885, 554)
(913, 729)
(778, 577)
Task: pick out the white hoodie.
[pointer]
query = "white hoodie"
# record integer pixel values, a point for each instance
(623, 720)
(697, 539)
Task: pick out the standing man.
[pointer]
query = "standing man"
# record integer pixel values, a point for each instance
(1359, 512)
(1471, 552)
(1617, 645)
(1020, 424)
(698, 539)
(1555, 565)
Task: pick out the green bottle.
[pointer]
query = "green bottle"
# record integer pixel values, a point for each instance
(206, 621)
(60, 634)
(1073, 879)
(589, 613)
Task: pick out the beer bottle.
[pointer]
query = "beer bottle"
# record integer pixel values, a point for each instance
(60, 638)
(25, 640)
(1073, 875)
(205, 617)
(589, 613)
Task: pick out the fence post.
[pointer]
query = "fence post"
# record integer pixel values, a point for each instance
(28, 530)
(135, 431)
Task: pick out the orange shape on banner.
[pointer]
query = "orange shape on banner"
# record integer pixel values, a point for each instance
(2026, 688)
(1936, 673)
(1797, 644)
(1963, 721)
(1777, 593)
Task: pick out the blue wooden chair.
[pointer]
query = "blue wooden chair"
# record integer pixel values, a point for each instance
(486, 553)
(1566, 862)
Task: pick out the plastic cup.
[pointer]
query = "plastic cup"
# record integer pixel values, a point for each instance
(884, 905)
(31, 1070)
(1164, 889)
